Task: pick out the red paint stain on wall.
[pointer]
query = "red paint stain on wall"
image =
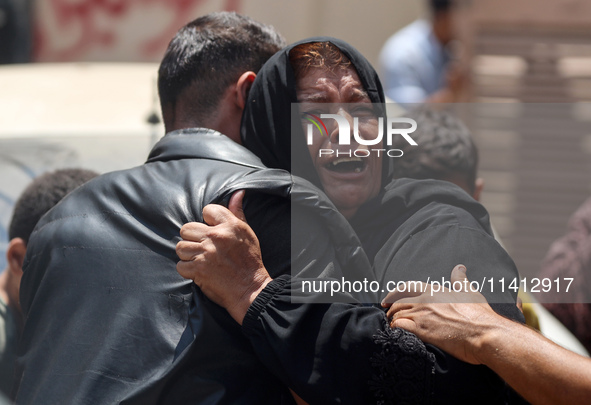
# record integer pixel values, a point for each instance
(81, 17)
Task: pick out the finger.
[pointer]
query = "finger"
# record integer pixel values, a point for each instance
(235, 205)
(402, 317)
(214, 214)
(412, 289)
(191, 270)
(188, 250)
(519, 304)
(194, 231)
(459, 274)
(404, 323)
(404, 304)
(397, 307)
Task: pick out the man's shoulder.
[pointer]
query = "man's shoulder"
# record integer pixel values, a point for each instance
(408, 40)
(408, 206)
(182, 160)
(202, 143)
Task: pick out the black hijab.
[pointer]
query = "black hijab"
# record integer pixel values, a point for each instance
(267, 128)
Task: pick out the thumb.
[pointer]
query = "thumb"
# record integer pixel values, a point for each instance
(459, 273)
(215, 214)
(235, 205)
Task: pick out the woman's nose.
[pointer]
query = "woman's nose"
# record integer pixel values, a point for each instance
(333, 133)
(335, 128)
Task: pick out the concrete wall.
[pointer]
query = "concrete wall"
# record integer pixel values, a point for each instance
(139, 30)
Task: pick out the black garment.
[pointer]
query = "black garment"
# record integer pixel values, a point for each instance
(420, 229)
(108, 318)
(425, 228)
(346, 353)
(438, 226)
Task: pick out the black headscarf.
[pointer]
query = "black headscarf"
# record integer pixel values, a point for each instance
(267, 128)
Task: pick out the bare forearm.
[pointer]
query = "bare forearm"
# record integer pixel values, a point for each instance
(541, 371)
(464, 325)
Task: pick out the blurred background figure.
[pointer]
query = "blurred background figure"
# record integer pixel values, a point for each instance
(570, 256)
(416, 63)
(445, 151)
(38, 198)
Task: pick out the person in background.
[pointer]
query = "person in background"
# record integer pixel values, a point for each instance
(416, 63)
(445, 151)
(570, 256)
(38, 198)
(464, 325)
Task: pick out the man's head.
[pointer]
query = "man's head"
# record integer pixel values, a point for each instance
(442, 19)
(38, 198)
(445, 151)
(208, 68)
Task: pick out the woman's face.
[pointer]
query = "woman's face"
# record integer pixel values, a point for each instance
(351, 174)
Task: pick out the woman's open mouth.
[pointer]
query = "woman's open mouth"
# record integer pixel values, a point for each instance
(347, 165)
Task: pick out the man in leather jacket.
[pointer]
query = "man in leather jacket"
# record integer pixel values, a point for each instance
(107, 317)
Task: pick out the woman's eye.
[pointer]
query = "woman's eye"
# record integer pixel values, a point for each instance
(364, 111)
(362, 107)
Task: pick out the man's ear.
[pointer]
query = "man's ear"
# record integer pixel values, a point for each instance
(478, 186)
(15, 255)
(243, 86)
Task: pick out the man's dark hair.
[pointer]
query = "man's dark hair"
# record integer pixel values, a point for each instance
(445, 149)
(40, 196)
(440, 6)
(209, 54)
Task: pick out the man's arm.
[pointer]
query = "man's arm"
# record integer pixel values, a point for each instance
(463, 324)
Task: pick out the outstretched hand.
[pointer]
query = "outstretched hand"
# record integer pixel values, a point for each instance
(223, 257)
(450, 320)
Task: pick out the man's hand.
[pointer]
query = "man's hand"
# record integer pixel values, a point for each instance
(223, 257)
(452, 321)
(464, 325)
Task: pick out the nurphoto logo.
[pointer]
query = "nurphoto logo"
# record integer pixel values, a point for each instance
(398, 126)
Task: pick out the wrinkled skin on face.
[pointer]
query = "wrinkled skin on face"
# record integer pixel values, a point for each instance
(351, 174)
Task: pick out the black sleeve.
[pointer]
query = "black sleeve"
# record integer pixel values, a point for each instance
(430, 253)
(328, 353)
(337, 353)
(426, 248)
(345, 352)
(269, 218)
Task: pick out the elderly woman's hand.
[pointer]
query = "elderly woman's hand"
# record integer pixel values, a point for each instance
(223, 257)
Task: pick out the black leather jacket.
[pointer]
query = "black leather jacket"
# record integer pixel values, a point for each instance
(108, 318)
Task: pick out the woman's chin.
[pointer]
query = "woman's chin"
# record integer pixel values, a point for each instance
(349, 202)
